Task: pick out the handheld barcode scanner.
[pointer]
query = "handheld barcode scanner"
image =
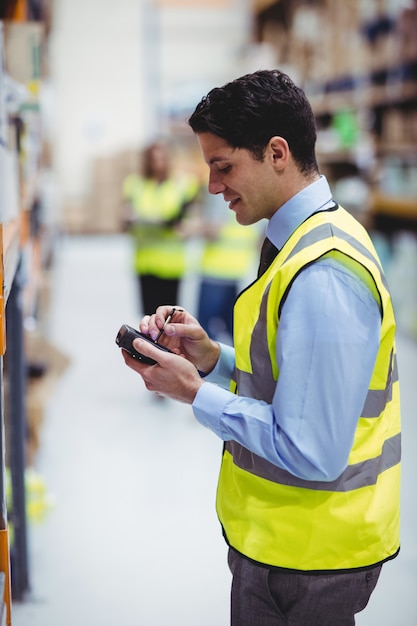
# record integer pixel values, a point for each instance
(127, 334)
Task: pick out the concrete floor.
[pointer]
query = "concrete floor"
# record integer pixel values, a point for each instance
(133, 538)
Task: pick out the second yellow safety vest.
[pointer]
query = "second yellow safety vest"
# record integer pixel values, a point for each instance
(159, 249)
(232, 254)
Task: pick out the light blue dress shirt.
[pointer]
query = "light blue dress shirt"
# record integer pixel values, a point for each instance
(326, 347)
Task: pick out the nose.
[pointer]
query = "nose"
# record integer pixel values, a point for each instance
(215, 184)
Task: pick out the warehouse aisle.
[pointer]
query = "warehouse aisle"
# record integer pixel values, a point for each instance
(133, 538)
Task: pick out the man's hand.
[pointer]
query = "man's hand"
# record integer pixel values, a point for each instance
(173, 376)
(176, 375)
(183, 335)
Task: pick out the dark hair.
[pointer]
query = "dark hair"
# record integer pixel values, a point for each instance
(250, 110)
(148, 160)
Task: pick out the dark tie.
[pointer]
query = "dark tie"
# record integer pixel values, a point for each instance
(268, 254)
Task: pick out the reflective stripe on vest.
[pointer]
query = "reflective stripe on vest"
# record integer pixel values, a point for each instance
(267, 513)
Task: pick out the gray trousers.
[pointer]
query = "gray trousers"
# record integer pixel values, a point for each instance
(263, 596)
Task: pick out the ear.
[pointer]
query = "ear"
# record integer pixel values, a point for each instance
(280, 152)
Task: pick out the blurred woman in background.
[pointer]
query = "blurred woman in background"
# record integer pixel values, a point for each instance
(159, 201)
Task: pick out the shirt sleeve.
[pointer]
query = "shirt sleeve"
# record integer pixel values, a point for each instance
(327, 344)
(223, 370)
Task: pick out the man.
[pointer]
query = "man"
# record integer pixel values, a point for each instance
(308, 493)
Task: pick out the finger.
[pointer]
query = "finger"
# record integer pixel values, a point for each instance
(190, 330)
(131, 360)
(162, 312)
(152, 324)
(143, 369)
(148, 349)
(133, 363)
(162, 317)
(144, 324)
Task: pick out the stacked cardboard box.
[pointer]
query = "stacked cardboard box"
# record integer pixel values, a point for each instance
(105, 203)
(103, 211)
(334, 39)
(399, 128)
(52, 362)
(24, 45)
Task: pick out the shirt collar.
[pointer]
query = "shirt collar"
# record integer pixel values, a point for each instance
(315, 197)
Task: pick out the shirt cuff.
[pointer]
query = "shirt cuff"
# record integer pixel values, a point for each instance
(208, 407)
(222, 371)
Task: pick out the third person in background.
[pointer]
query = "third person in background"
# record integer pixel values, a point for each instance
(229, 257)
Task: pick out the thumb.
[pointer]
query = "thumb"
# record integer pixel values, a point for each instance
(151, 350)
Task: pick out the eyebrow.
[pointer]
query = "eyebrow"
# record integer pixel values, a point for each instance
(217, 159)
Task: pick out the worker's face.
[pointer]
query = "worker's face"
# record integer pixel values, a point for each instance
(248, 185)
(159, 160)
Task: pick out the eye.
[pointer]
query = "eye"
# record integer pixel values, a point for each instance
(225, 170)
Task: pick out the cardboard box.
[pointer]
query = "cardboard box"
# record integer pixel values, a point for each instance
(407, 33)
(105, 202)
(23, 43)
(9, 187)
(106, 209)
(40, 351)
(76, 216)
(3, 115)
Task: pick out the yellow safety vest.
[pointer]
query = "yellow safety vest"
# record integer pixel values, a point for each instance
(159, 249)
(268, 514)
(231, 255)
